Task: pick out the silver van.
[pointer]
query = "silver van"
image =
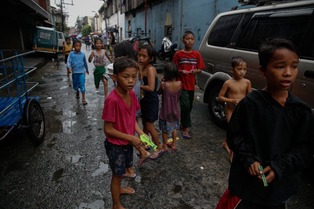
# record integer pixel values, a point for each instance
(240, 33)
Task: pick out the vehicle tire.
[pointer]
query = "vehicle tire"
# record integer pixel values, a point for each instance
(34, 121)
(216, 109)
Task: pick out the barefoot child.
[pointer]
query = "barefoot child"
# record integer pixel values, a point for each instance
(78, 65)
(169, 116)
(119, 115)
(190, 63)
(233, 91)
(100, 56)
(149, 102)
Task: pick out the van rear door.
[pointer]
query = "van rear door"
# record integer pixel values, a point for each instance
(295, 24)
(45, 40)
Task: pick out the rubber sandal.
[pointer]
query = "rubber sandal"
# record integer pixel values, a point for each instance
(141, 161)
(186, 135)
(129, 175)
(127, 190)
(84, 103)
(160, 153)
(169, 145)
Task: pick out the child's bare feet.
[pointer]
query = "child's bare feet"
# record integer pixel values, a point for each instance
(165, 147)
(230, 156)
(129, 175)
(118, 207)
(143, 158)
(225, 146)
(127, 190)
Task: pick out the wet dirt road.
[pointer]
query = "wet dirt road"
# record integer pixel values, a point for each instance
(69, 169)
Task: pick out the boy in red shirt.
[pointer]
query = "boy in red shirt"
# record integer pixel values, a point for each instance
(190, 63)
(120, 125)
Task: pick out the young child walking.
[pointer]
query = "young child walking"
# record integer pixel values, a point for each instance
(119, 115)
(100, 57)
(78, 65)
(271, 135)
(67, 48)
(169, 116)
(190, 63)
(233, 91)
(149, 102)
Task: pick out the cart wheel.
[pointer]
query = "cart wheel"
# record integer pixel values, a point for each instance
(35, 121)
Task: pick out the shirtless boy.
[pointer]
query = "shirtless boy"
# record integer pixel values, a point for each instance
(233, 91)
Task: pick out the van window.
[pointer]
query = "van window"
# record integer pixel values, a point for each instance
(60, 35)
(44, 35)
(289, 24)
(222, 33)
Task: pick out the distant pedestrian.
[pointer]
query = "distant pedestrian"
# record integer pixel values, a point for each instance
(233, 91)
(169, 116)
(100, 57)
(119, 115)
(105, 41)
(150, 101)
(67, 48)
(78, 65)
(190, 63)
(88, 42)
(112, 42)
(271, 135)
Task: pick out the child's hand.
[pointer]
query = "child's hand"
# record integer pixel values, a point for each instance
(269, 174)
(253, 169)
(236, 101)
(185, 72)
(267, 171)
(136, 142)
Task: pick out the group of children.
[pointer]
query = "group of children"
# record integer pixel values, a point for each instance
(119, 113)
(77, 65)
(269, 135)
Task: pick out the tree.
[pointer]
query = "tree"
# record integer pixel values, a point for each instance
(86, 30)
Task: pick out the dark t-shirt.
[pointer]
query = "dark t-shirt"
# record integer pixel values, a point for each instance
(262, 130)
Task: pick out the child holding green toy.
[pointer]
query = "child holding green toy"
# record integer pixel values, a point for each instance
(119, 115)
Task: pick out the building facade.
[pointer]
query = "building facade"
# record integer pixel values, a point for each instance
(19, 23)
(160, 18)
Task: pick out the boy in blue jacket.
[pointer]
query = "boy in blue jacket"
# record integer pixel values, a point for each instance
(78, 66)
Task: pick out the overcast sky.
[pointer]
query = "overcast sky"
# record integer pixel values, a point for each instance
(79, 8)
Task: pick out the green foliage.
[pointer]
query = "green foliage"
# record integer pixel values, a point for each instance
(86, 30)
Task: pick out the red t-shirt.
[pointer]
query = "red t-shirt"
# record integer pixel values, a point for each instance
(121, 115)
(188, 61)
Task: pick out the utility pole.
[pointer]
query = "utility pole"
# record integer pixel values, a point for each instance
(145, 9)
(61, 4)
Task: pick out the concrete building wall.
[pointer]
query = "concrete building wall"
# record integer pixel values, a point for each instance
(176, 16)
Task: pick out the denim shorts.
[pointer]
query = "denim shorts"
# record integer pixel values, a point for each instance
(79, 81)
(120, 157)
(168, 127)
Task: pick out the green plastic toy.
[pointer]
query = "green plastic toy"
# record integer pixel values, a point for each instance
(145, 139)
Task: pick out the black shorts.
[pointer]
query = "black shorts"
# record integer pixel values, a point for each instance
(66, 58)
(120, 157)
